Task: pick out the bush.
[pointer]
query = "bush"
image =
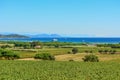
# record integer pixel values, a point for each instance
(90, 58)
(71, 60)
(69, 52)
(112, 51)
(44, 56)
(107, 51)
(75, 50)
(5, 46)
(8, 55)
(100, 51)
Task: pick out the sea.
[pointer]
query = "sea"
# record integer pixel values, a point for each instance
(74, 40)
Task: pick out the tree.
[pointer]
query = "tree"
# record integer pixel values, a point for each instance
(5, 46)
(26, 46)
(106, 51)
(86, 51)
(113, 52)
(100, 51)
(75, 50)
(35, 43)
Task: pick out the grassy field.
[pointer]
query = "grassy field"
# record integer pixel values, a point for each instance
(52, 70)
(29, 53)
(79, 56)
(61, 54)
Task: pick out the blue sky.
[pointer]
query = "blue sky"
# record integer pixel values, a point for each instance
(71, 17)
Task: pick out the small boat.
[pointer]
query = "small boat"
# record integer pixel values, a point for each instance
(54, 40)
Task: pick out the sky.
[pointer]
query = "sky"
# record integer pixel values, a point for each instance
(94, 18)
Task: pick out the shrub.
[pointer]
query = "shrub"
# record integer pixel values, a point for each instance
(8, 55)
(86, 51)
(100, 51)
(106, 51)
(112, 51)
(90, 58)
(71, 60)
(69, 52)
(44, 56)
(75, 50)
(91, 51)
(5, 46)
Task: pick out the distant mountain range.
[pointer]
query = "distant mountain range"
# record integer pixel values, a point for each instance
(44, 36)
(13, 36)
(29, 36)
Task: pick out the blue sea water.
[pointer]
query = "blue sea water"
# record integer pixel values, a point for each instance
(76, 40)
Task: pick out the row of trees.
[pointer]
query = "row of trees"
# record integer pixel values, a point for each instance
(107, 51)
(33, 44)
(25, 45)
(75, 50)
(109, 45)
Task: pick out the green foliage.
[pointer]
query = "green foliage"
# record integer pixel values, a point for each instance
(88, 51)
(35, 43)
(52, 70)
(44, 56)
(113, 52)
(8, 55)
(109, 45)
(107, 51)
(75, 50)
(6, 46)
(62, 44)
(25, 45)
(71, 60)
(90, 58)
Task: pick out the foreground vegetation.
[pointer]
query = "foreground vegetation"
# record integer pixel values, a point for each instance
(52, 70)
(98, 62)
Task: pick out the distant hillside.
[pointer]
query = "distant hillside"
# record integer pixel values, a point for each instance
(13, 36)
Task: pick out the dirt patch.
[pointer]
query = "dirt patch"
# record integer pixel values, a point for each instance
(67, 57)
(27, 59)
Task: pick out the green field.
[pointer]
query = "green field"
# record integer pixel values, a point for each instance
(52, 70)
(61, 54)
(67, 65)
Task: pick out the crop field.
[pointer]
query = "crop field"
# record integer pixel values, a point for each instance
(53, 70)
